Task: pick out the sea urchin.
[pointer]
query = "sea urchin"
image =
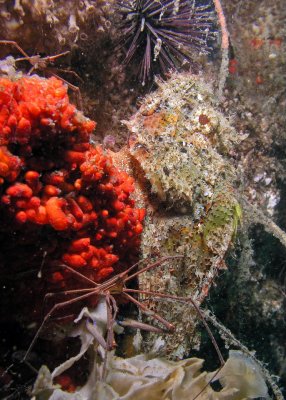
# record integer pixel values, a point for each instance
(164, 34)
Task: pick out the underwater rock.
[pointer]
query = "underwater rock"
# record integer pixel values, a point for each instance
(54, 25)
(256, 95)
(179, 146)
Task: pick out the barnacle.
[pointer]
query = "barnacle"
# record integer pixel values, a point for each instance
(163, 35)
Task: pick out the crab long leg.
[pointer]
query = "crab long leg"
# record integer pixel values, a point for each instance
(170, 327)
(71, 86)
(151, 266)
(78, 274)
(183, 300)
(110, 342)
(65, 293)
(55, 308)
(73, 73)
(15, 44)
(99, 338)
(110, 323)
(131, 323)
(54, 57)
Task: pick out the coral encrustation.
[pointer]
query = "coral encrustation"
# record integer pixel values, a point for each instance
(54, 182)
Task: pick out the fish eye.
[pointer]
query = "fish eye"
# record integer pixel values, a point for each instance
(140, 147)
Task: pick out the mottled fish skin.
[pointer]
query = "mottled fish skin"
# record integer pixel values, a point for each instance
(179, 141)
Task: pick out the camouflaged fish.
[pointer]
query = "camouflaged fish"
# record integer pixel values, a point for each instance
(180, 143)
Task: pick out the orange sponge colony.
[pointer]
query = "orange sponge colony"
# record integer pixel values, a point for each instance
(55, 186)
